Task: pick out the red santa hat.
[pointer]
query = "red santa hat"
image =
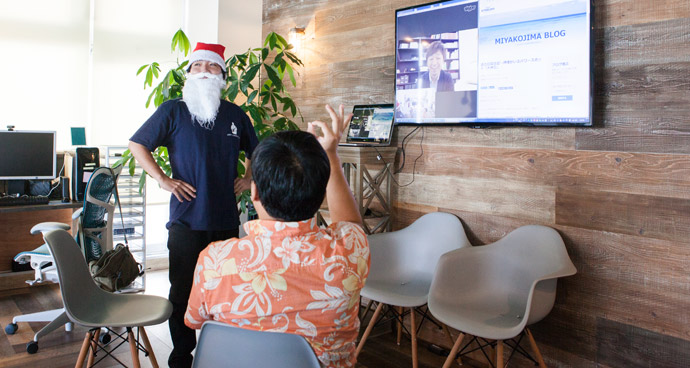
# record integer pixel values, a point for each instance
(208, 52)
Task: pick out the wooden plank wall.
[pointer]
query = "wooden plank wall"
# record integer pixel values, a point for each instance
(618, 192)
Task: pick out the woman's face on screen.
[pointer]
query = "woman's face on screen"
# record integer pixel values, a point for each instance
(435, 62)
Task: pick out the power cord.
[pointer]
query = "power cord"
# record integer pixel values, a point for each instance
(414, 166)
(402, 165)
(57, 184)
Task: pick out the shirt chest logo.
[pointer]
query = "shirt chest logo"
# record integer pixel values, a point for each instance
(233, 131)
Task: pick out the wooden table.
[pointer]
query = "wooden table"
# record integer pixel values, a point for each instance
(368, 170)
(15, 237)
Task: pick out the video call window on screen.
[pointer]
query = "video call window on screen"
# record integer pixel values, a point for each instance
(436, 65)
(494, 62)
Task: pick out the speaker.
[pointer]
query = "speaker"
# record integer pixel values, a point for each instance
(64, 185)
(86, 160)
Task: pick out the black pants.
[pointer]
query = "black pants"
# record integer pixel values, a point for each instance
(184, 246)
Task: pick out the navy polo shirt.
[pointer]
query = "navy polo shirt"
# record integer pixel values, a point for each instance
(206, 159)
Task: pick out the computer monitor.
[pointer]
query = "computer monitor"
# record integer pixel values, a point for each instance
(27, 155)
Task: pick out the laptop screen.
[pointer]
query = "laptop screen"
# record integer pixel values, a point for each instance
(371, 124)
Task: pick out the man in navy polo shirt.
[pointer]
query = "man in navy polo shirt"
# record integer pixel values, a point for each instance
(204, 136)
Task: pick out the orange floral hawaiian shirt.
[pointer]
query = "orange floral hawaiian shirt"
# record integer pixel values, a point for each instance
(289, 277)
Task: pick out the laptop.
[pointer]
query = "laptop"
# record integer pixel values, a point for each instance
(371, 125)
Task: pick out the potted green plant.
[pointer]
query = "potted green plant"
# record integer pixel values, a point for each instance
(257, 74)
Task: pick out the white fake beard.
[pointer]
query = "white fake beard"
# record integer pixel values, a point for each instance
(202, 96)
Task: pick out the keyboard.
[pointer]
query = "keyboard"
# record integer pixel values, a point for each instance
(23, 200)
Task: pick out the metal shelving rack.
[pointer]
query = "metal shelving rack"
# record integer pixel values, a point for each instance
(133, 206)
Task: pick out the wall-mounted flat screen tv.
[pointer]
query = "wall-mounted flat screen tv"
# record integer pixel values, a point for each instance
(495, 62)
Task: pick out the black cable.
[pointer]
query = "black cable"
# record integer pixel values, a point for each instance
(402, 165)
(414, 166)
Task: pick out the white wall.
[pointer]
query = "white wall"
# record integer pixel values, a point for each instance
(201, 21)
(239, 25)
(51, 81)
(127, 35)
(44, 64)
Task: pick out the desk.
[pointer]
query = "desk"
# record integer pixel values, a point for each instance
(15, 225)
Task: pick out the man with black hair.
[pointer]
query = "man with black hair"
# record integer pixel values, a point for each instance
(288, 274)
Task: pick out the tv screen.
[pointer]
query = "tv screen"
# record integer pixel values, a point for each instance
(27, 155)
(494, 62)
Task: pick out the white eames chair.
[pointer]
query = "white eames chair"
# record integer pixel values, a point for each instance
(495, 291)
(402, 267)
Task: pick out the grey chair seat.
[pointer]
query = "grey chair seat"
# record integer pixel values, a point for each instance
(222, 345)
(410, 293)
(124, 310)
(492, 319)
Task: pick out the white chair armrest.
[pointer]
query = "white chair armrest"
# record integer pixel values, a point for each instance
(48, 226)
(76, 214)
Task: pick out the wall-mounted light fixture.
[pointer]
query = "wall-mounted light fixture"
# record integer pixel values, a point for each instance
(295, 36)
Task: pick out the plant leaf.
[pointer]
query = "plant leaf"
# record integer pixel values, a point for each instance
(273, 40)
(248, 77)
(132, 167)
(148, 100)
(273, 76)
(181, 42)
(291, 74)
(274, 103)
(282, 40)
(251, 97)
(142, 182)
(294, 58)
(232, 91)
(149, 78)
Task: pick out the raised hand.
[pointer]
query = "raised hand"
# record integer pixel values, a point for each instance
(333, 132)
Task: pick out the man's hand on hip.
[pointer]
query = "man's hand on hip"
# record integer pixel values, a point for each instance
(181, 190)
(242, 184)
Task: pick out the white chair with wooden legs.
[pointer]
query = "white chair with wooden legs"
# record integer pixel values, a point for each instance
(402, 266)
(493, 292)
(88, 305)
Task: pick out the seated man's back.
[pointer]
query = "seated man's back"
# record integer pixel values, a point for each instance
(288, 277)
(287, 274)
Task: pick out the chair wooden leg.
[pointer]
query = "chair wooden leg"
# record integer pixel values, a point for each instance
(453, 351)
(399, 325)
(413, 332)
(372, 322)
(147, 345)
(535, 349)
(450, 338)
(133, 348)
(94, 347)
(84, 349)
(366, 310)
(499, 354)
